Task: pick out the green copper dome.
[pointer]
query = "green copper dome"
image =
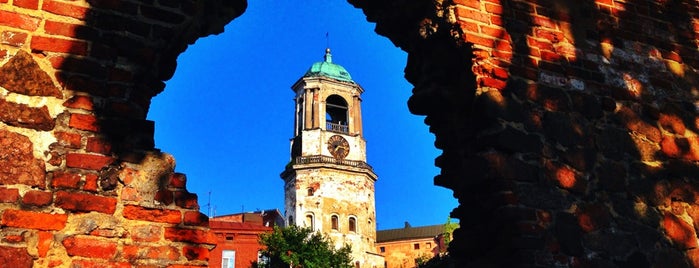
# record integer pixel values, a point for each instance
(328, 69)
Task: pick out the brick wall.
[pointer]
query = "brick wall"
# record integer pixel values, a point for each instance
(81, 184)
(568, 128)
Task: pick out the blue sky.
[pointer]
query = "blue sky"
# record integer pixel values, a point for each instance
(227, 114)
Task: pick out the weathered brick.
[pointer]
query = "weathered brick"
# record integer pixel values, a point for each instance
(90, 247)
(23, 75)
(13, 38)
(8, 195)
(22, 115)
(195, 253)
(684, 148)
(33, 220)
(85, 202)
(17, 163)
(65, 9)
(68, 140)
(152, 214)
(98, 145)
(196, 218)
(151, 253)
(65, 180)
(90, 182)
(186, 200)
(28, 4)
(146, 233)
(84, 122)
(37, 198)
(20, 21)
(681, 233)
(178, 180)
(187, 235)
(44, 243)
(80, 102)
(88, 161)
(15, 257)
(69, 30)
(42, 43)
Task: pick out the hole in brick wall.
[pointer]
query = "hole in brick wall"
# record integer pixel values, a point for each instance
(227, 113)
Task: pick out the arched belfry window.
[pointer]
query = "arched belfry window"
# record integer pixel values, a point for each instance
(352, 224)
(334, 222)
(336, 114)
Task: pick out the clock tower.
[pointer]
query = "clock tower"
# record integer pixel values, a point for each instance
(328, 184)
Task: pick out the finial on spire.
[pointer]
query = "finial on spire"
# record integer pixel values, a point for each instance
(328, 56)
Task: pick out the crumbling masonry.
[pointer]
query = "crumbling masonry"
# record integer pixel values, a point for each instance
(568, 128)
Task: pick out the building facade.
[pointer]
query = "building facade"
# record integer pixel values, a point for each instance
(237, 237)
(404, 247)
(328, 185)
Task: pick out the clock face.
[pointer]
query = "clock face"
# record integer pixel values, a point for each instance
(338, 146)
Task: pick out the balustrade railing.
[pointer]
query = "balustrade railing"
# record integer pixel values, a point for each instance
(314, 159)
(335, 127)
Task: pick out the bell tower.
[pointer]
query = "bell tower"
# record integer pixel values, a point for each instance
(328, 185)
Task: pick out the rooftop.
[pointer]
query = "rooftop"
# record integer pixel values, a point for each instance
(409, 232)
(328, 69)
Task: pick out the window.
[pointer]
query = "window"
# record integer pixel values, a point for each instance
(291, 220)
(309, 221)
(228, 259)
(352, 224)
(336, 114)
(229, 237)
(416, 246)
(334, 222)
(382, 249)
(429, 245)
(310, 191)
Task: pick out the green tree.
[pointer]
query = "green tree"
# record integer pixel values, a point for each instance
(299, 247)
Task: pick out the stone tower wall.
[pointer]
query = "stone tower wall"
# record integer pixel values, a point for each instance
(568, 128)
(81, 184)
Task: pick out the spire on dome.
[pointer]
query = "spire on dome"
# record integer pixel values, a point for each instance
(328, 56)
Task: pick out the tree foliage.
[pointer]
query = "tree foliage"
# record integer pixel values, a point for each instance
(299, 247)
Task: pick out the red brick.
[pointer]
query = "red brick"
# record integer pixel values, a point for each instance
(152, 214)
(195, 218)
(685, 148)
(97, 145)
(65, 180)
(492, 82)
(477, 40)
(44, 243)
(493, 8)
(65, 9)
(178, 180)
(85, 202)
(88, 161)
(15, 257)
(187, 235)
(69, 30)
(89, 247)
(146, 233)
(195, 253)
(20, 21)
(680, 232)
(90, 182)
(28, 4)
(33, 220)
(80, 102)
(84, 122)
(70, 140)
(58, 45)
(186, 200)
(468, 3)
(12, 38)
(37, 198)
(151, 253)
(464, 13)
(8, 195)
(103, 264)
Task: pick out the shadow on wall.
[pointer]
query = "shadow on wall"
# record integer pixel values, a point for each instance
(614, 139)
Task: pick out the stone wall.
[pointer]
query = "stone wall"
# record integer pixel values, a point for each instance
(568, 128)
(81, 184)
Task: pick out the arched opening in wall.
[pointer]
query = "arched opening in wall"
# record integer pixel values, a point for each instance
(227, 114)
(336, 114)
(334, 222)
